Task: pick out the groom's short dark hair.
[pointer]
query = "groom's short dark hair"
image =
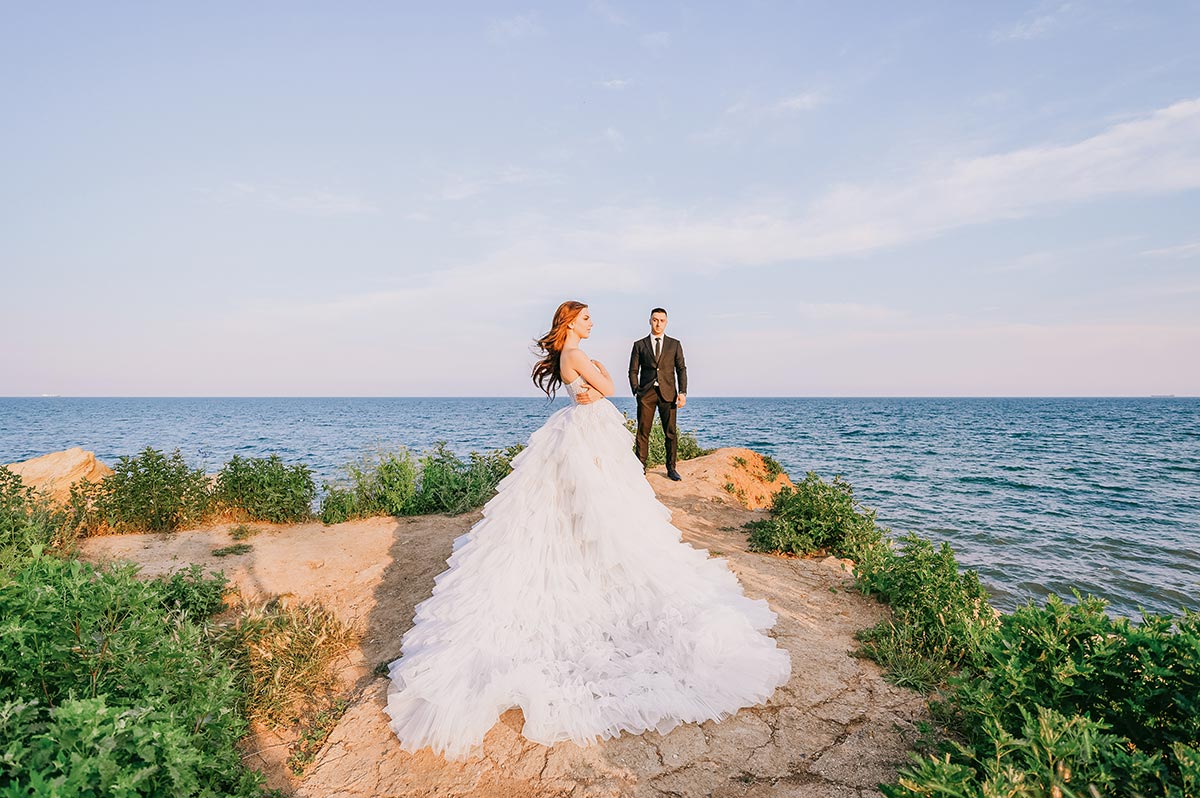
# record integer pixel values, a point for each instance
(659, 310)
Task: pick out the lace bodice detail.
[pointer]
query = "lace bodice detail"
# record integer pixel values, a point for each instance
(575, 386)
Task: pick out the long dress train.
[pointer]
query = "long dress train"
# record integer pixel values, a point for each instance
(574, 599)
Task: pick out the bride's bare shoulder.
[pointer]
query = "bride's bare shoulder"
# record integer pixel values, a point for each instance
(574, 357)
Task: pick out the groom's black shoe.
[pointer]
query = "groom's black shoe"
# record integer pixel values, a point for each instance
(673, 475)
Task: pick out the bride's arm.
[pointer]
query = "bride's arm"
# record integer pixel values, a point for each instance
(592, 371)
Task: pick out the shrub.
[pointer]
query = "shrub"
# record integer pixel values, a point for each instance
(1066, 700)
(772, 466)
(1051, 754)
(450, 485)
(190, 592)
(1061, 700)
(396, 483)
(939, 615)
(87, 746)
(104, 693)
(383, 485)
(29, 523)
(266, 489)
(1139, 682)
(149, 492)
(338, 505)
(686, 445)
(816, 516)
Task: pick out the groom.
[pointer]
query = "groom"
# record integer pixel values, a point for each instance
(654, 364)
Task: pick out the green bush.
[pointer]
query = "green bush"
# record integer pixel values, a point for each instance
(816, 516)
(29, 523)
(1137, 683)
(450, 485)
(190, 592)
(1061, 700)
(1050, 754)
(397, 483)
(772, 466)
(686, 445)
(338, 505)
(940, 617)
(266, 489)
(104, 693)
(149, 492)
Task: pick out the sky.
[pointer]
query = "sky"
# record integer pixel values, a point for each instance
(391, 199)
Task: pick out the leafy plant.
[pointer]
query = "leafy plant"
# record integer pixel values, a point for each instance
(816, 516)
(193, 593)
(772, 467)
(29, 522)
(149, 492)
(686, 445)
(338, 505)
(940, 620)
(397, 483)
(266, 489)
(316, 732)
(104, 692)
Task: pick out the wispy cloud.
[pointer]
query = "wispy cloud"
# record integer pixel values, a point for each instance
(799, 102)
(746, 115)
(521, 26)
(464, 186)
(1037, 24)
(1179, 251)
(615, 138)
(657, 41)
(313, 202)
(608, 13)
(1156, 153)
(615, 84)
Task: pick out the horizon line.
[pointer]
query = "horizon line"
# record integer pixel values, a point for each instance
(690, 396)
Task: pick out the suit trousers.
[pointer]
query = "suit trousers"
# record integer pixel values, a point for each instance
(648, 401)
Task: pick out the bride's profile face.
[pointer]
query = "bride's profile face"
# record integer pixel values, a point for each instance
(583, 323)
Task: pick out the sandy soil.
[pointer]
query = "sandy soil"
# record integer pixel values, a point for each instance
(835, 730)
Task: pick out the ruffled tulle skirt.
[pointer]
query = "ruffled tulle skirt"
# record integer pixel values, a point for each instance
(574, 599)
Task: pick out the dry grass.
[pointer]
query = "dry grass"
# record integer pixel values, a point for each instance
(284, 657)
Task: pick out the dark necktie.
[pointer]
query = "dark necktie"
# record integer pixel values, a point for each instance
(657, 349)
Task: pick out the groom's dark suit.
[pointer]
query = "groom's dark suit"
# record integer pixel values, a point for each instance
(653, 382)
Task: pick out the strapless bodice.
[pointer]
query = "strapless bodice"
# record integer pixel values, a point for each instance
(575, 386)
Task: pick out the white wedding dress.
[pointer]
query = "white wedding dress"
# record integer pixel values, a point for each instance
(574, 599)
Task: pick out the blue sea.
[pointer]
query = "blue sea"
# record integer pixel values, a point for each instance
(1037, 495)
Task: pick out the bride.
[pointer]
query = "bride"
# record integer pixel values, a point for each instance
(573, 597)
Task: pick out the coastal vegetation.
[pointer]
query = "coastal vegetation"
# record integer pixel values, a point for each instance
(816, 516)
(107, 679)
(148, 685)
(1054, 700)
(400, 483)
(147, 492)
(686, 445)
(265, 489)
(115, 685)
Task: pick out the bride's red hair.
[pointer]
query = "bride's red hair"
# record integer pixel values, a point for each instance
(546, 373)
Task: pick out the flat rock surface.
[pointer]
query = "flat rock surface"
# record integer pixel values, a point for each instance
(836, 729)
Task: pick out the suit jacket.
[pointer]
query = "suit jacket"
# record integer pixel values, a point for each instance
(644, 370)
